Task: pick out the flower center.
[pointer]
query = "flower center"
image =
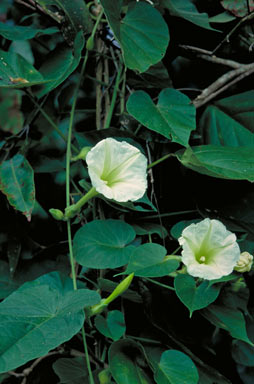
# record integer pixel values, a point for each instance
(202, 260)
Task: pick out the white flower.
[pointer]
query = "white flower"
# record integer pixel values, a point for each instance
(244, 264)
(209, 251)
(117, 170)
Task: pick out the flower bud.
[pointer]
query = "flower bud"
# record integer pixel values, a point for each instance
(90, 43)
(56, 213)
(244, 264)
(82, 154)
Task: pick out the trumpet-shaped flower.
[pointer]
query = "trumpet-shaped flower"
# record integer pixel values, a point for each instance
(117, 170)
(210, 251)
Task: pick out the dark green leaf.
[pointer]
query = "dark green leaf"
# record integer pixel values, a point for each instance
(144, 37)
(188, 11)
(243, 353)
(172, 117)
(150, 228)
(17, 72)
(76, 16)
(192, 296)
(59, 64)
(16, 32)
(40, 316)
(103, 244)
(176, 368)
(126, 362)
(113, 326)
(71, 370)
(17, 183)
(228, 122)
(142, 33)
(223, 17)
(112, 10)
(29, 273)
(235, 163)
(230, 319)
(148, 260)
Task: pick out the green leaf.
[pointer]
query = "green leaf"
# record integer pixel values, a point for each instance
(23, 48)
(59, 64)
(235, 163)
(242, 353)
(228, 122)
(113, 326)
(17, 183)
(188, 11)
(143, 34)
(126, 363)
(230, 319)
(17, 72)
(172, 117)
(150, 228)
(112, 10)
(40, 316)
(192, 296)
(223, 17)
(71, 370)
(176, 368)
(12, 119)
(103, 244)
(144, 37)
(16, 32)
(148, 260)
(76, 16)
(9, 284)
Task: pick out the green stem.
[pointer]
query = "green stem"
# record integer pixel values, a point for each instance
(50, 121)
(68, 162)
(87, 356)
(160, 284)
(74, 209)
(85, 198)
(72, 261)
(160, 160)
(113, 101)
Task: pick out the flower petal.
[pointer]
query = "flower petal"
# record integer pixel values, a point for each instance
(209, 251)
(118, 170)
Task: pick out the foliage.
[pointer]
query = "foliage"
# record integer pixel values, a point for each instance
(93, 290)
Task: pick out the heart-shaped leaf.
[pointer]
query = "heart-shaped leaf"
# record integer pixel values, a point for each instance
(126, 363)
(144, 36)
(113, 326)
(103, 244)
(192, 296)
(176, 368)
(142, 33)
(40, 316)
(148, 260)
(172, 117)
